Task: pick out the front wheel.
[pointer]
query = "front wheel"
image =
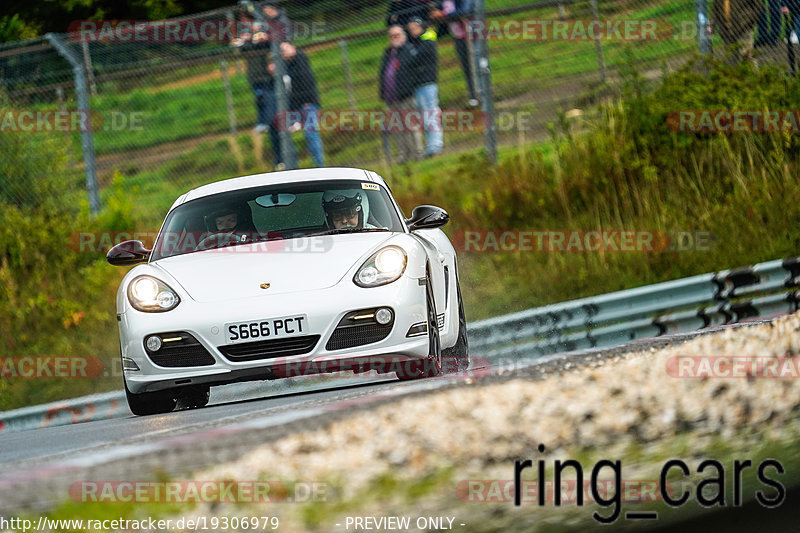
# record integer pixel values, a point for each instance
(457, 356)
(194, 397)
(150, 403)
(431, 366)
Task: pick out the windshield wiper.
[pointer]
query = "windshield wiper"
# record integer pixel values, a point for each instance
(345, 230)
(221, 245)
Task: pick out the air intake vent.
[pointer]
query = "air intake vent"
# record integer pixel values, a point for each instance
(357, 329)
(253, 351)
(179, 349)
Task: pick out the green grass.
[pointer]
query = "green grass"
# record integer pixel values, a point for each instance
(518, 67)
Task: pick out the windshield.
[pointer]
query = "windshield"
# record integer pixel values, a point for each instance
(272, 212)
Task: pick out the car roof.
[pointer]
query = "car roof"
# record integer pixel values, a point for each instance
(274, 178)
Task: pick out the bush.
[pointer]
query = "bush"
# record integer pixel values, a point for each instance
(626, 169)
(53, 300)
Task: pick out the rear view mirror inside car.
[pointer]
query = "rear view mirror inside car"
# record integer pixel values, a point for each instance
(276, 199)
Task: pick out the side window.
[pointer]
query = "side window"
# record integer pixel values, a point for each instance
(378, 213)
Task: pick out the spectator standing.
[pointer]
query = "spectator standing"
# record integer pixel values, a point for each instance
(397, 86)
(280, 26)
(456, 12)
(304, 98)
(402, 11)
(426, 67)
(791, 8)
(769, 23)
(254, 46)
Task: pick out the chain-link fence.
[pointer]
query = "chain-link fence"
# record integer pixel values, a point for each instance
(215, 94)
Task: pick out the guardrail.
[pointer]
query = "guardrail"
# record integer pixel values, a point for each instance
(725, 297)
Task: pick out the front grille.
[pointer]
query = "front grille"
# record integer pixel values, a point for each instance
(252, 351)
(187, 351)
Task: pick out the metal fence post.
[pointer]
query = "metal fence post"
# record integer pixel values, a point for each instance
(597, 44)
(348, 78)
(230, 18)
(62, 107)
(87, 140)
(703, 27)
(484, 72)
(226, 84)
(287, 146)
(87, 64)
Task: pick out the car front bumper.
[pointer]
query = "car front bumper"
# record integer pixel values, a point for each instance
(324, 309)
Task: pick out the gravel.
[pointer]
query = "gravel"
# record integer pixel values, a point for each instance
(609, 404)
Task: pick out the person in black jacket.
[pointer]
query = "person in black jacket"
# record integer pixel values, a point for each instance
(397, 84)
(402, 11)
(457, 12)
(280, 26)
(426, 63)
(254, 45)
(304, 98)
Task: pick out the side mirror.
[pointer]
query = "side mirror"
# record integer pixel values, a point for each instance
(128, 253)
(427, 217)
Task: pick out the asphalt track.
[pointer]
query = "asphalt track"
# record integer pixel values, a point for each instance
(70, 439)
(37, 467)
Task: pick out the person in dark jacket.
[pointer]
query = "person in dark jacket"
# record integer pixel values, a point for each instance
(280, 27)
(769, 23)
(426, 63)
(792, 8)
(402, 11)
(397, 84)
(304, 98)
(457, 12)
(254, 46)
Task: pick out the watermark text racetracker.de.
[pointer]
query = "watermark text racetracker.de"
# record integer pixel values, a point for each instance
(184, 30)
(502, 490)
(50, 366)
(617, 30)
(52, 120)
(732, 367)
(582, 241)
(175, 242)
(734, 121)
(197, 491)
(398, 121)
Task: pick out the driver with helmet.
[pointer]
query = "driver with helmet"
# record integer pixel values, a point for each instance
(229, 223)
(346, 209)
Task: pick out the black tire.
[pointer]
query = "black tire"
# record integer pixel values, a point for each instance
(431, 366)
(459, 352)
(194, 397)
(150, 403)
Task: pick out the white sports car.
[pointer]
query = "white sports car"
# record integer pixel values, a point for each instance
(286, 274)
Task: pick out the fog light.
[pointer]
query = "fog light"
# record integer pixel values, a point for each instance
(153, 343)
(383, 316)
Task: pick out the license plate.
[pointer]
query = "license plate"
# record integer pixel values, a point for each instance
(270, 328)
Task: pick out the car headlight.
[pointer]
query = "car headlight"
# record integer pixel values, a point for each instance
(385, 266)
(151, 295)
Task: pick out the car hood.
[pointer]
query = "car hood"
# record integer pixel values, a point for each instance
(292, 265)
